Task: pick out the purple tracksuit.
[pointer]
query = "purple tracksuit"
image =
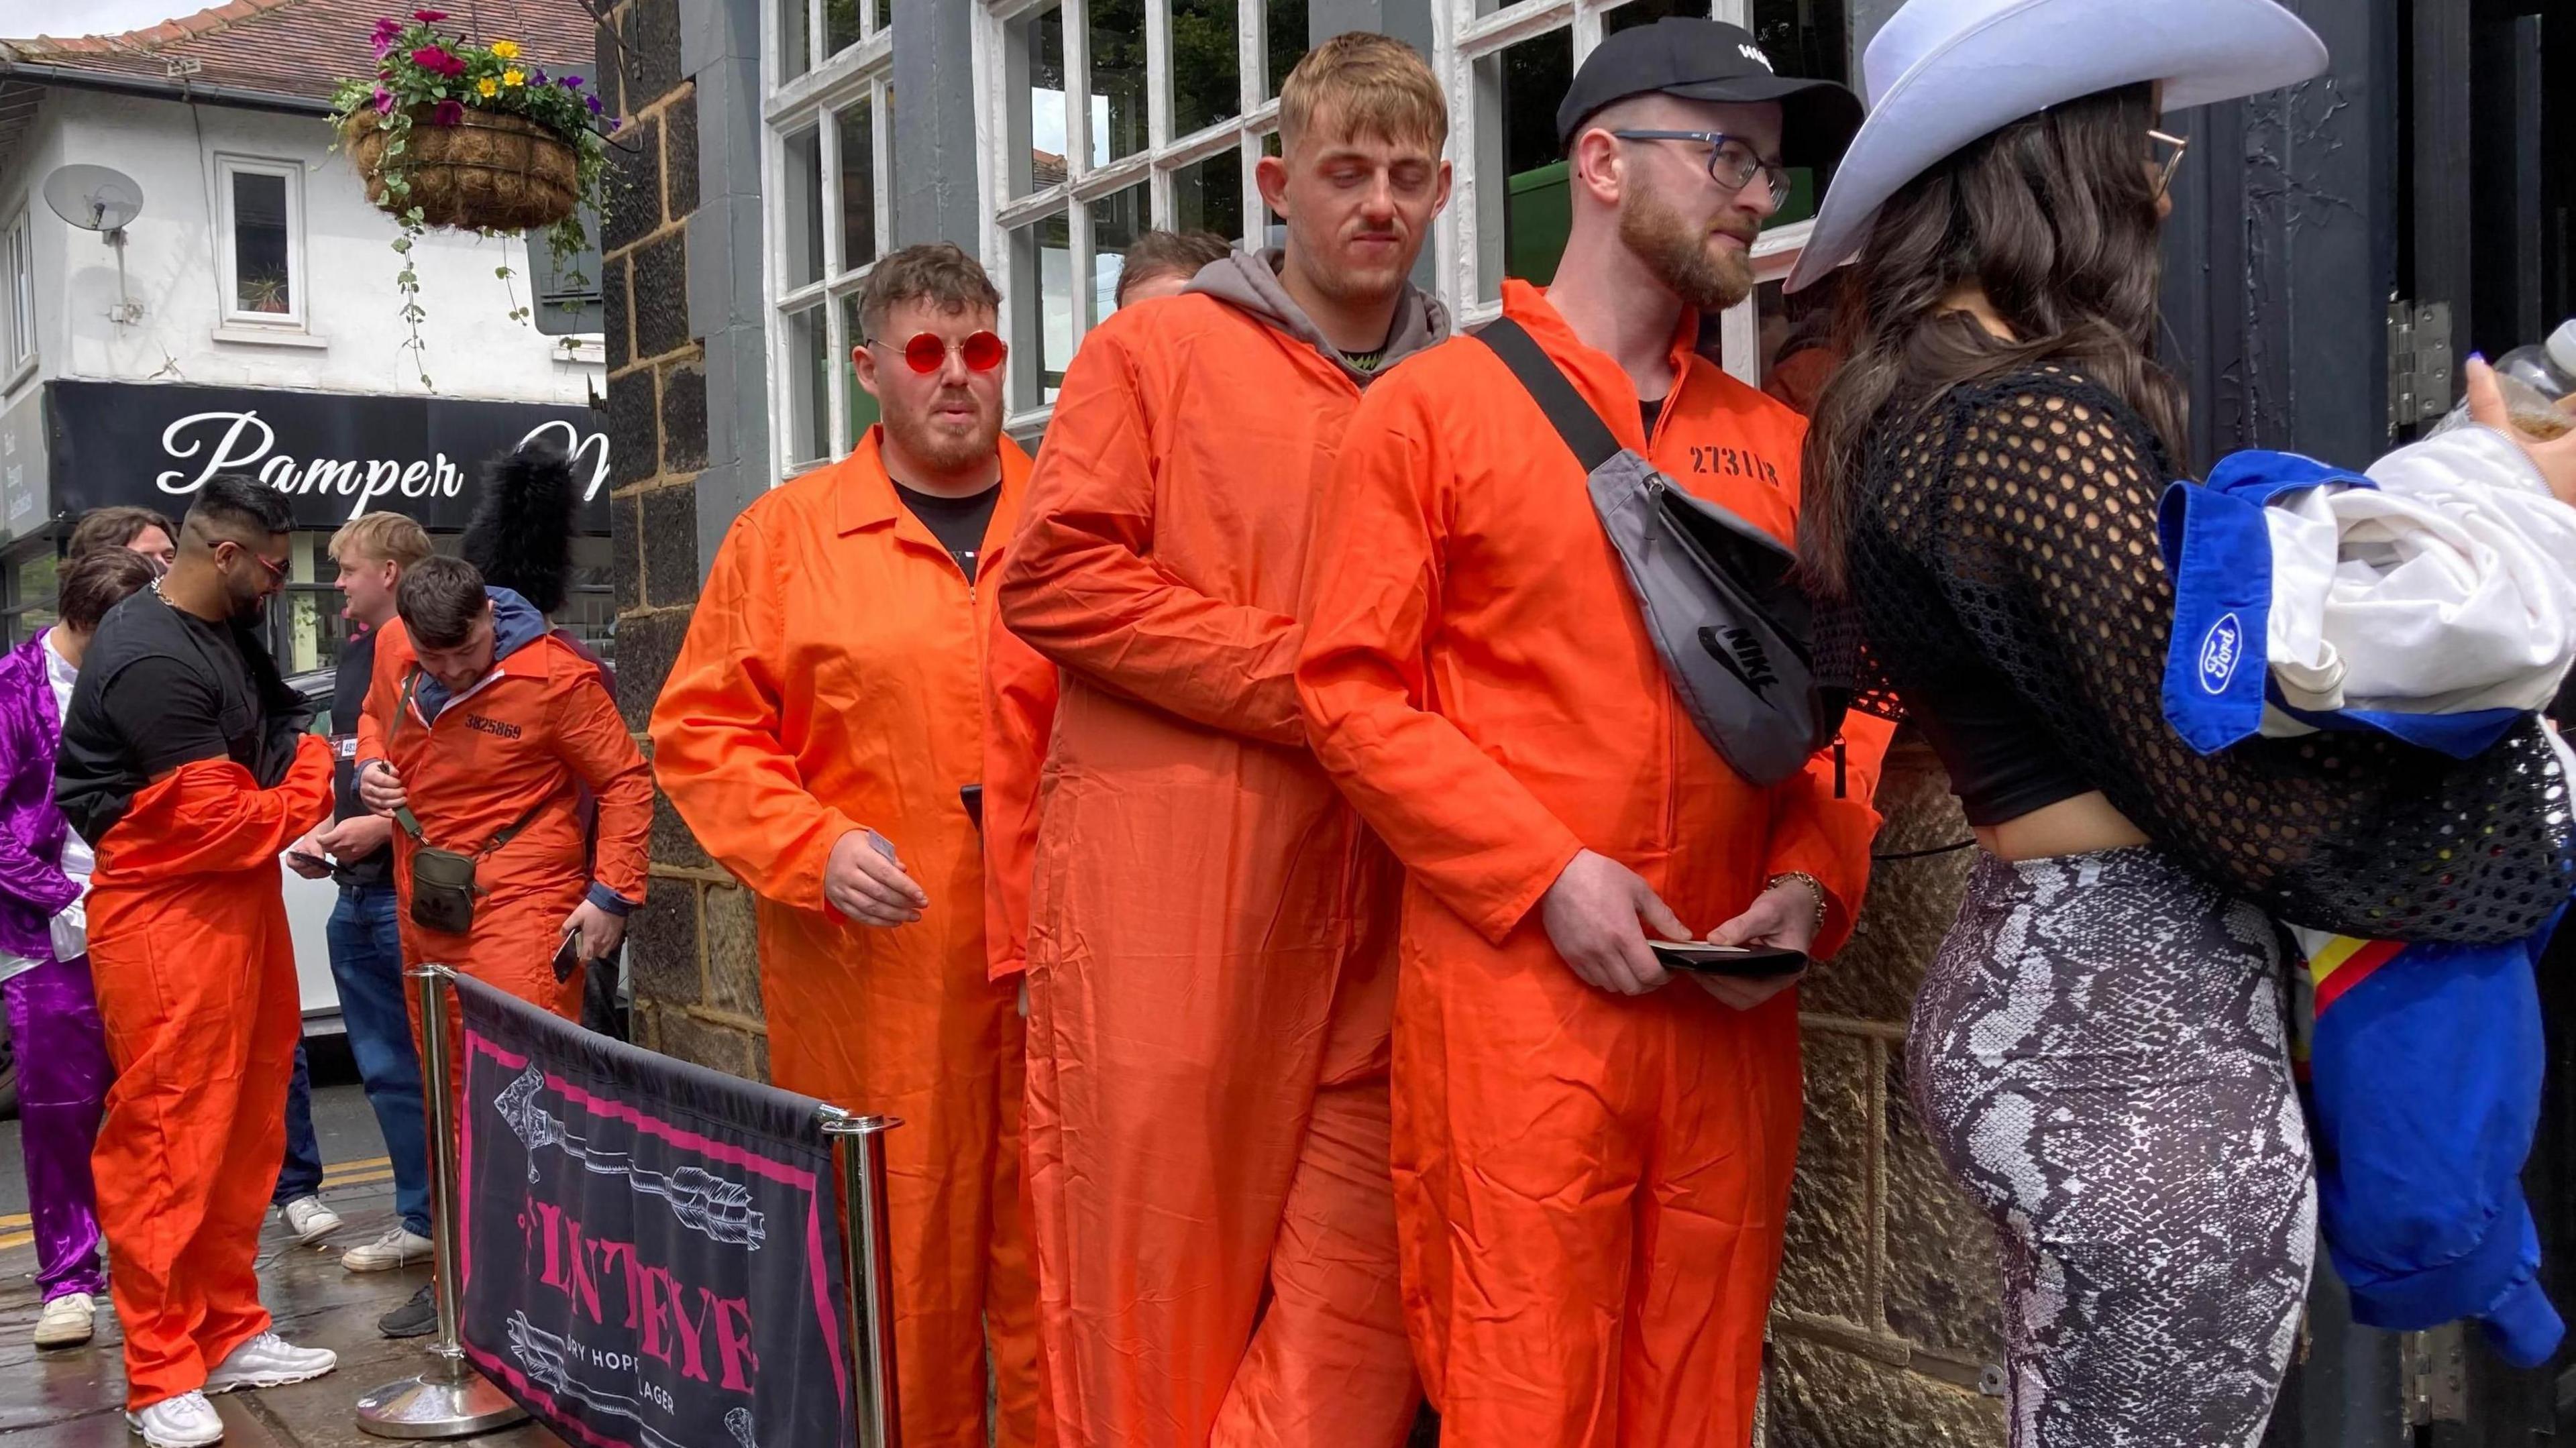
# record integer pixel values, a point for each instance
(63, 1070)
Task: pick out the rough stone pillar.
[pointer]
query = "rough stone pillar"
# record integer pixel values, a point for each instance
(1884, 1333)
(690, 956)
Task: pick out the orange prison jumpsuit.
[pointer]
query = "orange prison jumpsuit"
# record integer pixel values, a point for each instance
(196, 989)
(536, 728)
(833, 679)
(1210, 931)
(1591, 1186)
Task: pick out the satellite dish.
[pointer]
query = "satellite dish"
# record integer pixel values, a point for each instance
(93, 198)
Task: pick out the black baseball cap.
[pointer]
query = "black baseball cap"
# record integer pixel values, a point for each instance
(1710, 60)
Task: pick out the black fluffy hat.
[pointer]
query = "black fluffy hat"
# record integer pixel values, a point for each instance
(521, 534)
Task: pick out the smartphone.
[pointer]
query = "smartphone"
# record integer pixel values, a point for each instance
(973, 795)
(310, 862)
(568, 956)
(1753, 962)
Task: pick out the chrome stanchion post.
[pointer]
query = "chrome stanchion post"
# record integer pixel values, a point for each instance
(451, 1399)
(869, 1270)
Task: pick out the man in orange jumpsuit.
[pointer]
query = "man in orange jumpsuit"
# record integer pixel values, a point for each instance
(486, 724)
(1592, 1164)
(185, 764)
(817, 732)
(1210, 933)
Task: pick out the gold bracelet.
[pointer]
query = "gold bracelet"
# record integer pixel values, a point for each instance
(1814, 886)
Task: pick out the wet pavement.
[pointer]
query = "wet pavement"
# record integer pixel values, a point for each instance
(75, 1397)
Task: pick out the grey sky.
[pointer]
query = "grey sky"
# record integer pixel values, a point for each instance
(22, 18)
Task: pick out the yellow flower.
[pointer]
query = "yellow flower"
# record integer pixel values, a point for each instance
(488, 86)
(505, 50)
(514, 76)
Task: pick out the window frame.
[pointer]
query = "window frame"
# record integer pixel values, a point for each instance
(1156, 163)
(861, 74)
(18, 309)
(1461, 41)
(299, 276)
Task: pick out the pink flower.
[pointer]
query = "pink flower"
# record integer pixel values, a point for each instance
(384, 101)
(436, 58)
(387, 32)
(429, 17)
(448, 113)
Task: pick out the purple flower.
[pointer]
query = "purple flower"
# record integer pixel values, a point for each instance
(436, 58)
(616, 124)
(570, 82)
(595, 107)
(448, 113)
(537, 76)
(384, 101)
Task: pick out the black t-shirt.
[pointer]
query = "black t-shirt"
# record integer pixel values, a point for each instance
(1651, 412)
(958, 523)
(160, 688)
(350, 680)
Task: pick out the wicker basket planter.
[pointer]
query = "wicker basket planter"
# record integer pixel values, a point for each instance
(490, 171)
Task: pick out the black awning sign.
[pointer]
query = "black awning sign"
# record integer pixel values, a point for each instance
(336, 456)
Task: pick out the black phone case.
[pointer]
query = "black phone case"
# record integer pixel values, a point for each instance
(973, 797)
(567, 957)
(1757, 964)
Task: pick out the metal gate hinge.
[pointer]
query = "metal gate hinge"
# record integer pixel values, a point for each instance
(2435, 1372)
(2419, 363)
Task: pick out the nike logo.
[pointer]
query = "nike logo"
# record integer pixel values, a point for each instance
(1741, 654)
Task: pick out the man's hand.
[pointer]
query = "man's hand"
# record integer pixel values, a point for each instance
(870, 887)
(309, 847)
(600, 932)
(1593, 914)
(353, 838)
(380, 789)
(1784, 915)
(2555, 457)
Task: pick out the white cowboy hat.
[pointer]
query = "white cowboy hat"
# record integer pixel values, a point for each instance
(1941, 73)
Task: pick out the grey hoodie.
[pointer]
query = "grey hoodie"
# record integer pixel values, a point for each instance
(1249, 280)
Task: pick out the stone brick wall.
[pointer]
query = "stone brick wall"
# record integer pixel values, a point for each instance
(1884, 1333)
(697, 995)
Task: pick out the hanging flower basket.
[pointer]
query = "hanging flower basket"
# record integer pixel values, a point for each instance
(490, 171)
(473, 138)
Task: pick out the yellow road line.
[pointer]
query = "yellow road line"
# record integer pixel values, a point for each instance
(16, 1239)
(369, 1163)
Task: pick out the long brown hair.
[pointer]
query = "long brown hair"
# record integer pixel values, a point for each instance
(2054, 215)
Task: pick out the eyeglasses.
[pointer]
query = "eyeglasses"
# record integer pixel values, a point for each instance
(927, 352)
(276, 570)
(2173, 158)
(1732, 161)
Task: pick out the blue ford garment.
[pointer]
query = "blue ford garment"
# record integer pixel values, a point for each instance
(2217, 675)
(2424, 1088)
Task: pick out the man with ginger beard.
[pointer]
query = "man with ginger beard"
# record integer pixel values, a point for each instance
(1208, 931)
(816, 733)
(1592, 1161)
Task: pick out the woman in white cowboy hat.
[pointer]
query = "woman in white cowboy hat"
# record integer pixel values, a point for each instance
(2098, 1047)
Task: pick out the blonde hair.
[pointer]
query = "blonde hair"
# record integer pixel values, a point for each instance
(385, 537)
(1368, 85)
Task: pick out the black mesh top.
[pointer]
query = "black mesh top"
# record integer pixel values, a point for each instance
(2004, 539)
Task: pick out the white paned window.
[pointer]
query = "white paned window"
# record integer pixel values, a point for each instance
(829, 136)
(18, 305)
(1104, 118)
(262, 240)
(1505, 68)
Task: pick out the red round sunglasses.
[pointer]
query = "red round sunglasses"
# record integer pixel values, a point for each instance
(927, 352)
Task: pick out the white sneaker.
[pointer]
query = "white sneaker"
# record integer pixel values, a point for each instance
(186, 1421)
(399, 1247)
(269, 1361)
(67, 1321)
(309, 1219)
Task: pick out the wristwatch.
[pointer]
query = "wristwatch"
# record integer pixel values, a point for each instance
(1814, 886)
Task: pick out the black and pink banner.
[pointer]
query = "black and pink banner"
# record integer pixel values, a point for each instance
(651, 1251)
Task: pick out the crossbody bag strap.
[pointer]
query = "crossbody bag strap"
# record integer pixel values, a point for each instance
(1574, 419)
(411, 822)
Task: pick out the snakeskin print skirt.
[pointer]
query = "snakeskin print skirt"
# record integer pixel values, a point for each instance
(2099, 1052)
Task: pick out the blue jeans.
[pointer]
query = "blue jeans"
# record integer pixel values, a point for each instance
(366, 962)
(300, 1175)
